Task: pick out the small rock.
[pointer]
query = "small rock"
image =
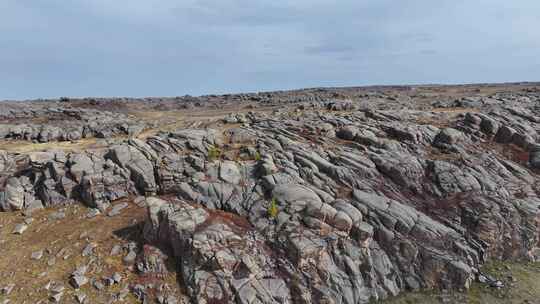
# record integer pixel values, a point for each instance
(171, 300)
(89, 249)
(130, 257)
(57, 297)
(117, 278)
(80, 271)
(98, 285)
(116, 250)
(140, 201)
(117, 208)
(51, 261)
(123, 294)
(37, 255)
(57, 216)
(20, 228)
(6, 290)
(77, 281)
(108, 281)
(80, 297)
(93, 213)
(496, 284)
(56, 288)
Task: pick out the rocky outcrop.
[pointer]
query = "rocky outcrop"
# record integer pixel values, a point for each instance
(45, 123)
(336, 201)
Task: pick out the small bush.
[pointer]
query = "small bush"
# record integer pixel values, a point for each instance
(214, 153)
(257, 156)
(273, 209)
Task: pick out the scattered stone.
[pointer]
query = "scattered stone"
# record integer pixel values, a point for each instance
(77, 281)
(130, 257)
(98, 285)
(117, 277)
(57, 215)
(80, 297)
(93, 212)
(20, 228)
(57, 297)
(37, 255)
(6, 290)
(117, 209)
(140, 201)
(89, 249)
(116, 250)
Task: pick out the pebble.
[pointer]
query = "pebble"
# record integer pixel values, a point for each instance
(20, 228)
(57, 297)
(93, 213)
(140, 201)
(130, 257)
(77, 281)
(6, 290)
(37, 255)
(89, 249)
(116, 250)
(80, 297)
(117, 277)
(51, 261)
(98, 285)
(57, 215)
(117, 208)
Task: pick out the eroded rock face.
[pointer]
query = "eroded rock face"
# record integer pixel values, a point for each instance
(328, 201)
(48, 122)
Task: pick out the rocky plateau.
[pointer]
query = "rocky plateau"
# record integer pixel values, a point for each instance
(330, 195)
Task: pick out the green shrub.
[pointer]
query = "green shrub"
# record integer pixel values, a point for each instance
(273, 209)
(214, 153)
(257, 156)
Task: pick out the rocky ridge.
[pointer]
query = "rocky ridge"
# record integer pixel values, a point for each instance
(325, 200)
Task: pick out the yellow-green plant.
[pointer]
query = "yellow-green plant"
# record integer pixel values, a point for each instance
(214, 153)
(273, 209)
(257, 156)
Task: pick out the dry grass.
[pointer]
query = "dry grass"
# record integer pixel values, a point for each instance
(455, 110)
(526, 288)
(71, 234)
(24, 146)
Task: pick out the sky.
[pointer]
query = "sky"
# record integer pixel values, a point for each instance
(78, 48)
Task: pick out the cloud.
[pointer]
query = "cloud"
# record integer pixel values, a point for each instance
(166, 47)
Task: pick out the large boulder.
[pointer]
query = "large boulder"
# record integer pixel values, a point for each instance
(140, 167)
(13, 195)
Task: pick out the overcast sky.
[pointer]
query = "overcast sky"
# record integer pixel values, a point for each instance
(52, 48)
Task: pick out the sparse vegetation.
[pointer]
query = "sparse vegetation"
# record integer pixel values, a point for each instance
(521, 286)
(214, 153)
(257, 156)
(273, 209)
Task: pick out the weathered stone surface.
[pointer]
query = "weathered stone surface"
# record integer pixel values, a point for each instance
(326, 198)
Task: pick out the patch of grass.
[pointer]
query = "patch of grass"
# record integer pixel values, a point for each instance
(524, 288)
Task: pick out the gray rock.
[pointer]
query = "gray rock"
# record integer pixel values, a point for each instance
(20, 228)
(229, 172)
(116, 209)
(89, 249)
(78, 281)
(37, 255)
(14, 195)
